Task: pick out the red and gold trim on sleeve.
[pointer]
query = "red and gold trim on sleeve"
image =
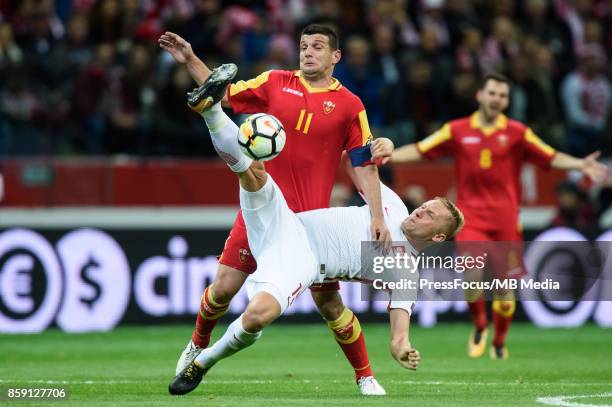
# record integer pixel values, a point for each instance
(362, 156)
(366, 133)
(535, 141)
(441, 136)
(254, 83)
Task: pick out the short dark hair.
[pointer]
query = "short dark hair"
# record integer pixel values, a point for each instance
(325, 30)
(494, 76)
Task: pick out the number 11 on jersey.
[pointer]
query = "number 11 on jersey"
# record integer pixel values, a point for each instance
(298, 126)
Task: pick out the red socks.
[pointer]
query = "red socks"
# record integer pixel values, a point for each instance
(210, 312)
(347, 332)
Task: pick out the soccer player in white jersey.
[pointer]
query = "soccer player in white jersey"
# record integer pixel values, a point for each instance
(331, 237)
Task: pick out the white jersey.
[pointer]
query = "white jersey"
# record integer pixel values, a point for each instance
(336, 234)
(291, 248)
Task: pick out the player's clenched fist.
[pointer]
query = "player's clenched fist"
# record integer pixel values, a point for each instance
(407, 356)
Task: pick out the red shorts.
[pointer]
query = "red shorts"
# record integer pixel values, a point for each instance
(503, 248)
(237, 254)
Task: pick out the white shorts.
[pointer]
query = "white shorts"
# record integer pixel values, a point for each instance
(286, 265)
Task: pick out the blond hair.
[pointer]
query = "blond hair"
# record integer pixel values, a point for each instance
(458, 220)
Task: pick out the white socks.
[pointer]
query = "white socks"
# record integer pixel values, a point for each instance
(224, 133)
(233, 340)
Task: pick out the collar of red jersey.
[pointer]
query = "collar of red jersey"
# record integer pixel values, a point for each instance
(500, 123)
(335, 85)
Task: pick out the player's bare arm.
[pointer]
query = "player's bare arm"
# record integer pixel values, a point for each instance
(181, 51)
(361, 176)
(254, 178)
(589, 165)
(401, 349)
(370, 186)
(406, 154)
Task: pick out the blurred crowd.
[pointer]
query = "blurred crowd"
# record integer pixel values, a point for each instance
(87, 76)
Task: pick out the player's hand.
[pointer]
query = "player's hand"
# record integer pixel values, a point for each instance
(176, 46)
(380, 233)
(407, 356)
(593, 169)
(381, 148)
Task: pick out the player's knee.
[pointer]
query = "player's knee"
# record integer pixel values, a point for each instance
(329, 304)
(261, 311)
(227, 283)
(222, 294)
(253, 321)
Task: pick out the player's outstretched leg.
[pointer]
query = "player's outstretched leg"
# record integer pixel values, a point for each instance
(204, 100)
(223, 131)
(234, 339)
(242, 333)
(211, 310)
(346, 329)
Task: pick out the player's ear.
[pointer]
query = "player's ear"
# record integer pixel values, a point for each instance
(439, 237)
(336, 56)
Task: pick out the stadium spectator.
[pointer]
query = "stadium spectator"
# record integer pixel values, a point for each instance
(11, 54)
(573, 208)
(20, 113)
(131, 99)
(433, 17)
(529, 102)
(176, 128)
(501, 46)
(417, 89)
(538, 23)
(468, 54)
(460, 16)
(106, 21)
(56, 44)
(89, 96)
(586, 97)
(356, 72)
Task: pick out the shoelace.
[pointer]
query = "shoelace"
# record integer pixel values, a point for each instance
(191, 371)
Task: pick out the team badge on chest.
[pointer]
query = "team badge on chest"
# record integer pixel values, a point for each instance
(328, 106)
(503, 140)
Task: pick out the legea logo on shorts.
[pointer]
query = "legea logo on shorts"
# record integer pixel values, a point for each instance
(86, 278)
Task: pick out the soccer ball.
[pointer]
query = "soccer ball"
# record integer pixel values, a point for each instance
(261, 137)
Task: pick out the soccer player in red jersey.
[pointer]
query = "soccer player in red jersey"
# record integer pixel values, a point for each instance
(488, 151)
(322, 119)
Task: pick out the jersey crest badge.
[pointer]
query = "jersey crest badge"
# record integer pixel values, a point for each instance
(244, 255)
(503, 140)
(328, 106)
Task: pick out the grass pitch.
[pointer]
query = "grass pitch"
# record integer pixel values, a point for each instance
(302, 365)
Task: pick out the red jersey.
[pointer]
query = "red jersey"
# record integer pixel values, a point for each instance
(319, 122)
(487, 166)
